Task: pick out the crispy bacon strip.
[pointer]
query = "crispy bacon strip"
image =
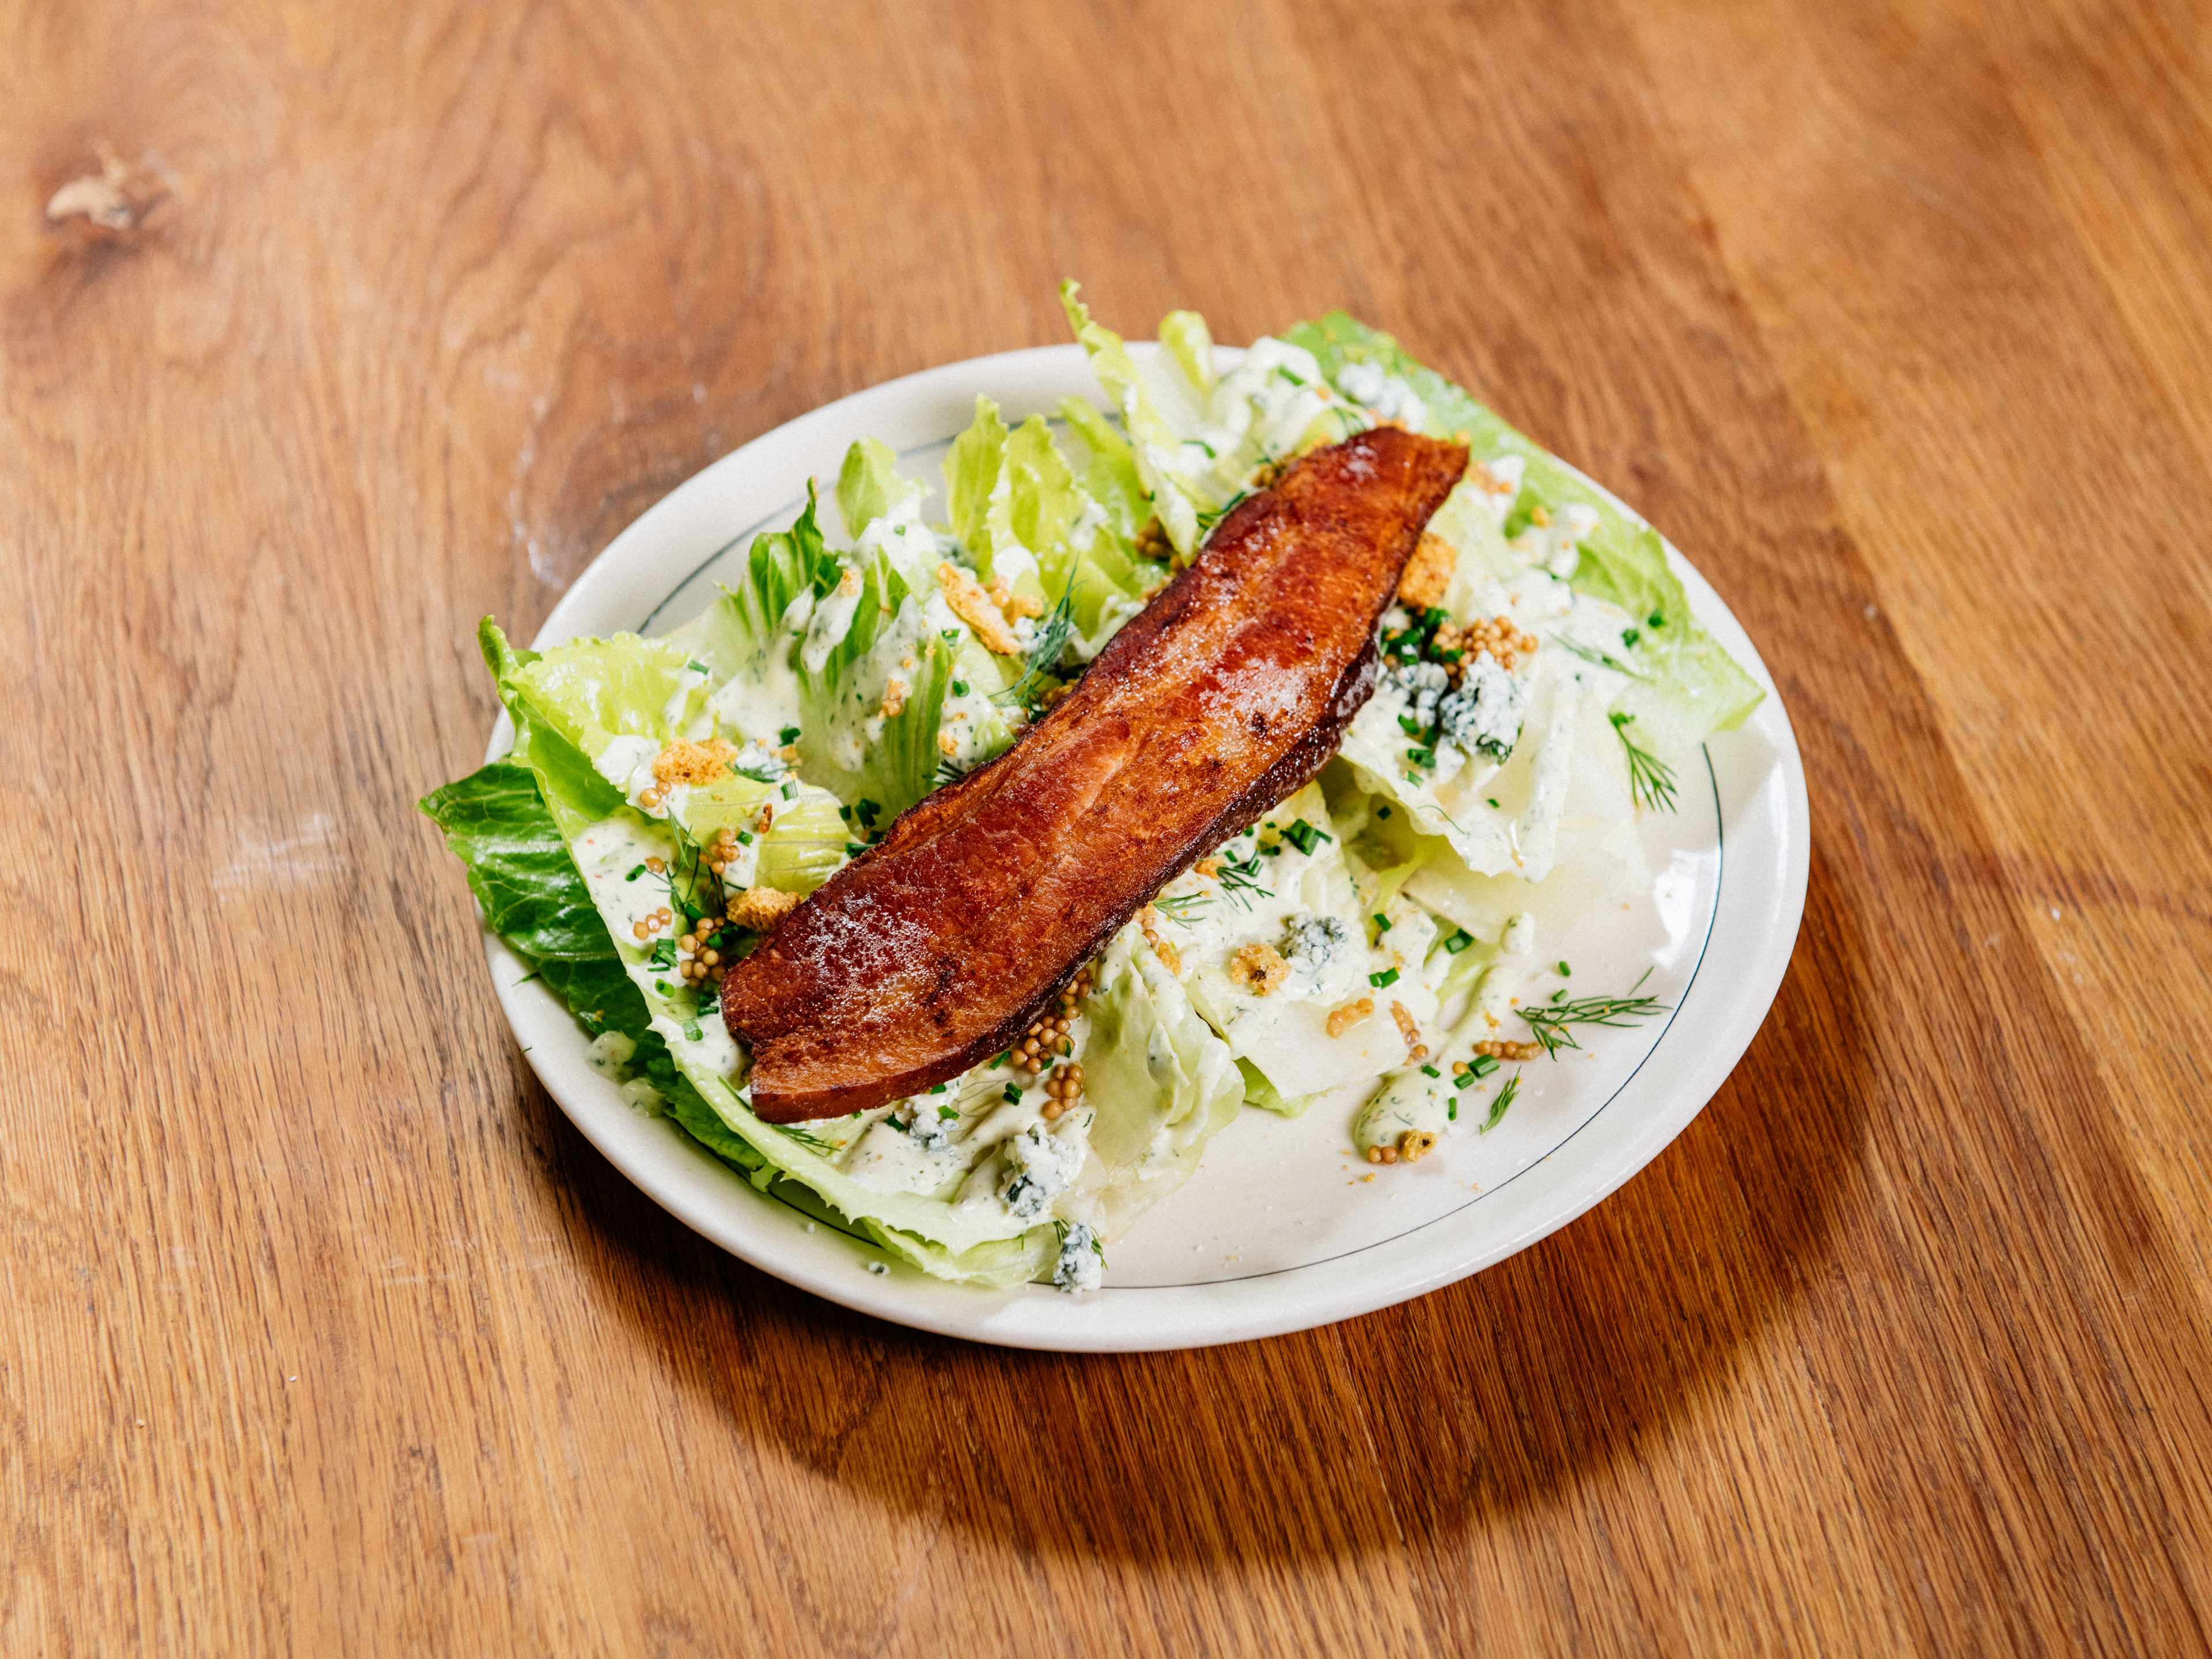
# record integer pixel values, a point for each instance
(935, 950)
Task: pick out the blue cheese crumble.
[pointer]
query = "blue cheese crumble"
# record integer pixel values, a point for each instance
(1040, 1165)
(1314, 945)
(1424, 686)
(1484, 715)
(1082, 1263)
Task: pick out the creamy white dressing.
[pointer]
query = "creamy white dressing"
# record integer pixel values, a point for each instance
(832, 621)
(713, 1048)
(762, 700)
(891, 1156)
(1408, 1100)
(609, 1054)
(609, 856)
(901, 537)
(1385, 396)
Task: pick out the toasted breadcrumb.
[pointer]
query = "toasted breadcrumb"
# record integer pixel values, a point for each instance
(761, 908)
(1428, 572)
(1415, 1145)
(1343, 1017)
(692, 763)
(1012, 603)
(1170, 958)
(893, 697)
(948, 745)
(1259, 968)
(969, 602)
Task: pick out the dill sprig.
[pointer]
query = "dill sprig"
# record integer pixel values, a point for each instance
(1209, 517)
(813, 1143)
(1602, 659)
(1650, 779)
(1239, 880)
(1038, 678)
(1181, 907)
(1551, 1022)
(1498, 1107)
(948, 771)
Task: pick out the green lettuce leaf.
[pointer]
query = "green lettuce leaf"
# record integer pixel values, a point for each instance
(816, 642)
(1152, 439)
(519, 868)
(869, 485)
(1162, 1082)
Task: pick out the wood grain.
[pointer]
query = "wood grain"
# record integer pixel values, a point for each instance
(322, 1330)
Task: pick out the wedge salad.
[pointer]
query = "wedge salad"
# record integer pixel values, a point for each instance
(667, 801)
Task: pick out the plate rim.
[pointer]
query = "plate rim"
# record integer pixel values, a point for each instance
(853, 1274)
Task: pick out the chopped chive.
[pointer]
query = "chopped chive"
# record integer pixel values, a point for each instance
(939, 1088)
(788, 735)
(959, 688)
(1559, 995)
(1459, 941)
(1382, 922)
(1388, 976)
(691, 1030)
(696, 667)
(1410, 726)
(1431, 1071)
(1451, 1112)
(1484, 1065)
(664, 987)
(1382, 812)
(853, 849)
(1493, 802)
(1565, 972)
(1629, 636)
(1656, 619)
(1303, 836)
(745, 837)
(946, 1113)
(635, 873)
(1013, 1093)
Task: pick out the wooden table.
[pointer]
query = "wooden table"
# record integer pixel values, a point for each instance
(323, 1330)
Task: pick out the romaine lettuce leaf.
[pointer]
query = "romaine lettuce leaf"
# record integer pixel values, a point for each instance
(519, 870)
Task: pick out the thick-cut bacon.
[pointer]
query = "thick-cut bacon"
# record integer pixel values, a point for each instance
(935, 950)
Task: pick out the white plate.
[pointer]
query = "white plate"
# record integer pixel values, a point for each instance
(1281, 1229)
